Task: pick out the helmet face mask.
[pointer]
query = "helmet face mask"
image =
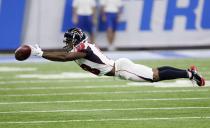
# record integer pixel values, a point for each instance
(73, 37)
(68, 45)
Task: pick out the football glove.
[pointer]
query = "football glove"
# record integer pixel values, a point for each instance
(36, 50)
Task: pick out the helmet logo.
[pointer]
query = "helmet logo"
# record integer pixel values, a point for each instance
(73, 37)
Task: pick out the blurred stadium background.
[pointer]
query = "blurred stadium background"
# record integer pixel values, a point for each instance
(144, 24)
(151, 32)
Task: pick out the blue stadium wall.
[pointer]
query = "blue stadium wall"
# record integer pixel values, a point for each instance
(144, 23)
(11, 23)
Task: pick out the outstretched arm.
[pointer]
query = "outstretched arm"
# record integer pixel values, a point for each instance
(63, 56)
(56, 56)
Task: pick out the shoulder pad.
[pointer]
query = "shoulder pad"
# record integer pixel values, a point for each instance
(80, 47)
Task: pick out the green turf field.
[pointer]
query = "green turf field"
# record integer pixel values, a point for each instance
(59, 101)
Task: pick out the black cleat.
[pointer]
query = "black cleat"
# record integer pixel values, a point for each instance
(200, 81)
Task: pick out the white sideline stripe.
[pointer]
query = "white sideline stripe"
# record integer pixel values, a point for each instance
(61, 75)
(55, 81)
(92, 101)
(102, 110)
(71, 87)
(76, 87)
(103, 120)
(16, 69)
(102, 93)
(177, 83)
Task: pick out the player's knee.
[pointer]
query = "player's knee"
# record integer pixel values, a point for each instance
(123, 63)
(126, 69)
(155, 75)
(124, 76)
(122, 67)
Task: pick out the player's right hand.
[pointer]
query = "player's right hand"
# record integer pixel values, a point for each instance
(36, 50)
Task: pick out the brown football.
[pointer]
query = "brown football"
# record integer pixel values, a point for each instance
(22, 53)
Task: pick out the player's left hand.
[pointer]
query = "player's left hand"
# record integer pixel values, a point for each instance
(36, 50)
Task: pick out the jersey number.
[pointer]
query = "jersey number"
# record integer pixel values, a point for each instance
(92, 70)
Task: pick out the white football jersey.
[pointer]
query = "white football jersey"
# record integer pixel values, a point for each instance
(84, 7)
(111, 6)
(95, 61)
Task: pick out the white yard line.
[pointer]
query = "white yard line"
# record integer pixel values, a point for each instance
(62, 75)
(108, 100)
(177, 83)
(54, 81)
(102, 110)
(17, 69)
(102, 93)
(103, 120)
(68, 87)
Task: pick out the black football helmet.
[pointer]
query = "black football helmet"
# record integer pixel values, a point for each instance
(73, 37)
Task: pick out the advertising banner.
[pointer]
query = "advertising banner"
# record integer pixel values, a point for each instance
(142, 24)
